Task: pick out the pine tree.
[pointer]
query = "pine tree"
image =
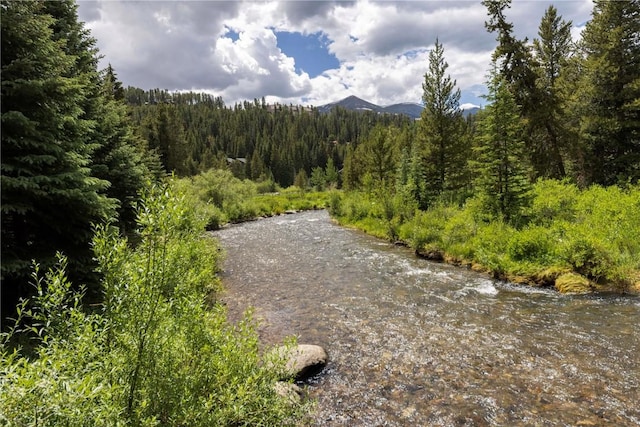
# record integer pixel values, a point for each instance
(164, 131)
(512, 56)
(377, 155)
(120, 157)
(331, 173)
(611, 118)
(49, 198)
(548, 121)
(499, 163)
(444, 150)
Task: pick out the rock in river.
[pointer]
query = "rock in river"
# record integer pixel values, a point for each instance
(303, 360)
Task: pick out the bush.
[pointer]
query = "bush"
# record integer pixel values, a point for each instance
(553, 201)
(156, 354)
(533, 244)
(585, 255)
(335, 203)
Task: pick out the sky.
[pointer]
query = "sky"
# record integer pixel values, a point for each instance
(305, 52)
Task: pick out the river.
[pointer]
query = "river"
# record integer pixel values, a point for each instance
(416, 343)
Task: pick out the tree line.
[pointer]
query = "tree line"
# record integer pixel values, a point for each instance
(556, 109)
(194, 132)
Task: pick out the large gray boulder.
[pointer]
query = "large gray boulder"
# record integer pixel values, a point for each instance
(303, 360)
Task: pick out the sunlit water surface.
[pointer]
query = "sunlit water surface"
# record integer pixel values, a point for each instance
(418, 343)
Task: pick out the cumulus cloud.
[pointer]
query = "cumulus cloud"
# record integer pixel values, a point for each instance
(230, 48)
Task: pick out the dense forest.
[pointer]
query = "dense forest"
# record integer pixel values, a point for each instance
(91, 217)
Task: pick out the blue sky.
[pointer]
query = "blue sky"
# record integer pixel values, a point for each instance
(309, 52)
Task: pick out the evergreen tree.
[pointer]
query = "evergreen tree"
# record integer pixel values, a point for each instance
(445, 152)
(49, 198)
(499, 154)
(377, 155)
(301, 180)
(318, 178)
(332, 173)
(512, 56)
(611, 117)
(164, 131)
(120, 156)
(350, 172)
(552, 51)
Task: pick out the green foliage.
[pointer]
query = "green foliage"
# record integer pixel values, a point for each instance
(377, 155)
(592, 233)
(444, 149)
(553, 200)
(318, 178)
(223, 198)
(548, 122)
(194, 132)
(610, 118)
(501, 171)
(335, 203)
(157, 353)
(49, 196)
(533, 244)
(301, 180)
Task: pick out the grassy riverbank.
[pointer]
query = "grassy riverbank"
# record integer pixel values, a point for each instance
(575, 240)
(224, 198)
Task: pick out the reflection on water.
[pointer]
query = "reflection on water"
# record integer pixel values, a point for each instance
(418, 343)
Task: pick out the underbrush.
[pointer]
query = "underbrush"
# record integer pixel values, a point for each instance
(589, 239)
(226, 199)
(155, 352)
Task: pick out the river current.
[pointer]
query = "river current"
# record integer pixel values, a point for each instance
(417, 343)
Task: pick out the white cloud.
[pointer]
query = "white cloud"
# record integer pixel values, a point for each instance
(382, 47)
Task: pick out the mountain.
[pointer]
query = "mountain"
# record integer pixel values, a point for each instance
(410, 109)
(352, 103)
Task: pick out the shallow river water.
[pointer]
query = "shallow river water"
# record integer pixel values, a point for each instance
(416, 343)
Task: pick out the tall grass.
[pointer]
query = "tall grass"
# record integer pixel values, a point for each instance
(590, 238)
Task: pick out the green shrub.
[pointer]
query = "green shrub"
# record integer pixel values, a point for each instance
(426, 230)
(553, 201)
(588, 257)
(157, 353)
(533, 244)
(335, 203)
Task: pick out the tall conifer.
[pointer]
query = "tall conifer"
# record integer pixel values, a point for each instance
(611, 117)
(442, 128)
(49, 198)
(499, 161)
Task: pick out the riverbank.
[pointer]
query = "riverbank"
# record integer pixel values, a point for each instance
(574, 241)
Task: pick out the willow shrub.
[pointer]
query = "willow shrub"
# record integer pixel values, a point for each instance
(155, 353)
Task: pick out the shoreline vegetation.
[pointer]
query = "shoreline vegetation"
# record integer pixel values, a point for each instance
(573, 240)
(157, 350)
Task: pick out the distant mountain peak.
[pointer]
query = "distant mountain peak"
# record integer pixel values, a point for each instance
(410, 109)
(354, 103)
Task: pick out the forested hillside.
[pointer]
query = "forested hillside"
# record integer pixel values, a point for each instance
(193, 132)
